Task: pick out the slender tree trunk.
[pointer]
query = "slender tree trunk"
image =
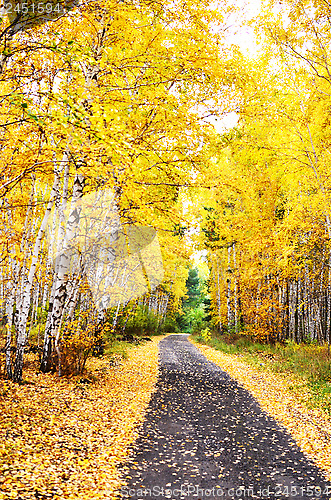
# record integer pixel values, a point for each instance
(228, 295)
(116, 314)
(9, 324)
(292, 305)
(328, 305)
(24, 311)
(235, 291)
(257, 308)
(62, 277)
(218, 295)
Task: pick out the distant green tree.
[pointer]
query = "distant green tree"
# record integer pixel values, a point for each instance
(193, 289)
(193, 317)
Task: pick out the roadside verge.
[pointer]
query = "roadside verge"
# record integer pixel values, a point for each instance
(63, 439)
(285, 397)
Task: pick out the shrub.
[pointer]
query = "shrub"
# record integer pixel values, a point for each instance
(169, 325)
(142, 323)
(206, 335)
(77, 342)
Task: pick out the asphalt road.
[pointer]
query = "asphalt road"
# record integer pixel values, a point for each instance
(206, 437)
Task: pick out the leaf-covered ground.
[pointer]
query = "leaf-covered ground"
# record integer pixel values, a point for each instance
(63, 439)
(206, 436)
(285, 397)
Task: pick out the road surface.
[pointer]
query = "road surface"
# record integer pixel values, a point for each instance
(204, 436)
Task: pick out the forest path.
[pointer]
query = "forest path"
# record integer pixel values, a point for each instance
(204, 436)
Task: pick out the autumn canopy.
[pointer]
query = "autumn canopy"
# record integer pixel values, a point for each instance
(110, 145)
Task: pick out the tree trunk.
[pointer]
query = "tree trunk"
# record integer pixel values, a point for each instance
(235, 291)
(25, 306)
(9, 323)
(62, 278)
(218, 295)
(228, 294)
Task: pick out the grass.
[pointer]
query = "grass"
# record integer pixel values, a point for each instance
(118, 348)
(309, 362)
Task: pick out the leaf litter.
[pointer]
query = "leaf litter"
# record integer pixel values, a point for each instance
(63, 439)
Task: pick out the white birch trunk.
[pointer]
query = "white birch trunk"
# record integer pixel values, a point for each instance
(228, 294)
(218, 297)
(24, 311)
(61, 281)
(235, 291)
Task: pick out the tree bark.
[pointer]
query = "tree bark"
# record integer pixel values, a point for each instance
(24, 311)
(62, 278)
